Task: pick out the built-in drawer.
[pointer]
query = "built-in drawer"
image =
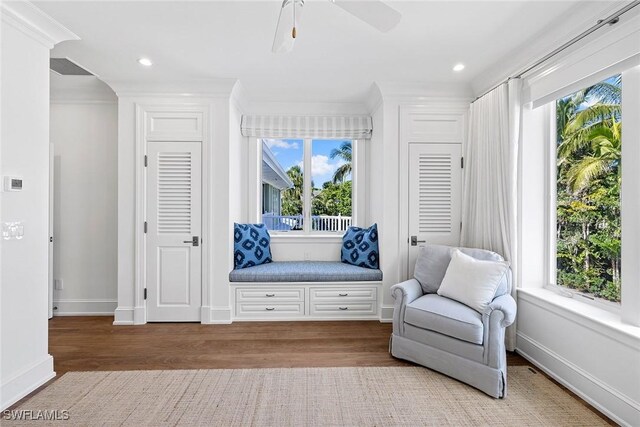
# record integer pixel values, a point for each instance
(343, 294)
(269, 295)
(292, 309)
(346, 309)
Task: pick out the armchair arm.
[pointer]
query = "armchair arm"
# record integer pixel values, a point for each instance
(500, 313)
(403, 293)
(507, 305)
(407, 291)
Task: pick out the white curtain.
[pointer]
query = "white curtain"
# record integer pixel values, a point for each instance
(490, 178)
(348, 127)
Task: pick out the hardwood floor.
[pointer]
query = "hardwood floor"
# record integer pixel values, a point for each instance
(94, 344)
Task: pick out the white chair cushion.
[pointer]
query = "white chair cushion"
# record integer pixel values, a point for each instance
(472, 282)
(435, 313)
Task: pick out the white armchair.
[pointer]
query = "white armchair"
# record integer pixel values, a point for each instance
(447, 336)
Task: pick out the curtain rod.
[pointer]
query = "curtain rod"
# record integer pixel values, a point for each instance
(611, 19)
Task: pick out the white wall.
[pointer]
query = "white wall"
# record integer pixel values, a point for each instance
(584, 352)
(590, 350)
(85, 138)
(24, 83)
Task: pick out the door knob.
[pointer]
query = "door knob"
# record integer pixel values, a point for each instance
(415, 241)
(195, 241)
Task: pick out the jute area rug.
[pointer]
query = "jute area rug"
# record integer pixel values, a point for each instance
(377, 396)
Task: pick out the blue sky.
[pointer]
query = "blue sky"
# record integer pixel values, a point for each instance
(289, 152)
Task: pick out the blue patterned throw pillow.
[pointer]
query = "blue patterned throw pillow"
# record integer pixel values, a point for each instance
(360, 247)
(251, 245)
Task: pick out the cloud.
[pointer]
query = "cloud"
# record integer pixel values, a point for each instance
(280, 143)
(322, 167)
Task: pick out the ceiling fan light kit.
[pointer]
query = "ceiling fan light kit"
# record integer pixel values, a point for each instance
(373, 12)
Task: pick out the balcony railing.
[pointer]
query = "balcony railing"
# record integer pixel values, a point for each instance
(295, 222)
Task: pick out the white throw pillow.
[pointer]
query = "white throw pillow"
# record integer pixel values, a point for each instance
(472, 282)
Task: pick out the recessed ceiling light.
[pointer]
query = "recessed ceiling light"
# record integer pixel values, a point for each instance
(145, 61)
(458, 67)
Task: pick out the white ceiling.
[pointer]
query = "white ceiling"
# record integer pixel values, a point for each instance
(336, 57)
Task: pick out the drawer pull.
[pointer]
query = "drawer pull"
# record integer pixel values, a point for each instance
(343, 295)
(343, 308)
(270, 295)
(270, 308)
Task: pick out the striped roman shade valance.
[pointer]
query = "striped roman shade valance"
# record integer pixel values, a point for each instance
(348, 127)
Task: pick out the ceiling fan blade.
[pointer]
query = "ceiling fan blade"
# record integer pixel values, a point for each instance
(374, 12)
(285, 36)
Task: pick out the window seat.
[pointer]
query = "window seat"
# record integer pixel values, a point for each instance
(306, 290)
(305, 271)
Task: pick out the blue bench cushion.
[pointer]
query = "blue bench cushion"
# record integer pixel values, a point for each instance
(306, 271)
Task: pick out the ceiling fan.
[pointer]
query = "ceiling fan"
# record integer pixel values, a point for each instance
(374, 12)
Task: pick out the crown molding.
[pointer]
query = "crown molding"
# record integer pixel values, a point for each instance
(209, 88)
(79, 89)
(422, 91)
(30, 20)
(239, 97)
(373, 99)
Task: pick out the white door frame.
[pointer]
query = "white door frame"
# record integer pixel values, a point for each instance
(142, 131)
(51, 225)
(409, 135)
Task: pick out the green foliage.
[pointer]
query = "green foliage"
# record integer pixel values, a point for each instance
(332, 200)
(588, 190)
(292, 199)
(344, 153)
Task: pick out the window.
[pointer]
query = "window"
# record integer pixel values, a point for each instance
(307, 184)
(588, 189)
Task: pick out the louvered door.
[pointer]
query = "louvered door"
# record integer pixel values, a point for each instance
(435, 196)
(174, 231)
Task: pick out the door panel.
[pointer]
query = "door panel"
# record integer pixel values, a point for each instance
(174, 276)
(174, 219)
(435, 196)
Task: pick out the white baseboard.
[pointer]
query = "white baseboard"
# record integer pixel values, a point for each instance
(84, 307)
(26, 381)
(615, 405)
(386, 314)
(220, 315)
(124, 316)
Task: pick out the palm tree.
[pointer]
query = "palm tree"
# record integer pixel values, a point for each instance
(606, 92)
(604, 157)
(589, 134)
(344, 153)
(292, 198)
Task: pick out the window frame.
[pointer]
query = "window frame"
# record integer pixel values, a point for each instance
(629, 197)
(357, 188)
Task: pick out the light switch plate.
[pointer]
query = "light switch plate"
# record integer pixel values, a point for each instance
(12, 183)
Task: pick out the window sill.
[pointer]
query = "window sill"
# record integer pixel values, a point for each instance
(588, 315)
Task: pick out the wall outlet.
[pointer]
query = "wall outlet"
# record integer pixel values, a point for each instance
(306, 256)
(58, 284)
